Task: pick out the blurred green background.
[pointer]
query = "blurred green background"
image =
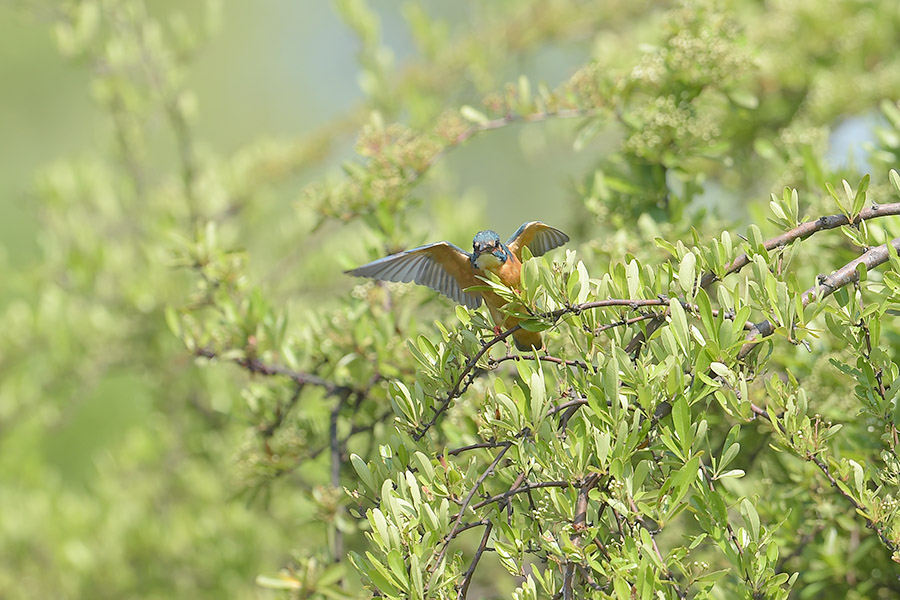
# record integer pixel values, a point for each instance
(276, 68)
(109, 489)
(123, 461)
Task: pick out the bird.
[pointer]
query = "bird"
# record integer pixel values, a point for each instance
(449, 270)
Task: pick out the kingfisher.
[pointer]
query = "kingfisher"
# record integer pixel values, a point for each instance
(448, 269)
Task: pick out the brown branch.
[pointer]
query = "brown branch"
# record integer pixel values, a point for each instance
(256, 366)
(552, 359)
(856, 505)
(453, 531)
(523, 488)
(625, 322)
(579, 523)
(336, 462)
(809, 457)
(471, 525)
(567, 404)
(826, 286)
(803, 231)
(467, 578)
(460, 450)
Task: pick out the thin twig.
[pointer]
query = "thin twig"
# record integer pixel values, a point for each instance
(453, 530)
(826, 286)
(625, 322)
(254, 365)
(761, 412)
(523, 488)
(567, 404)
(336, 462)
(553, 359)
(491, 444)
(803, 231)
(467, 578)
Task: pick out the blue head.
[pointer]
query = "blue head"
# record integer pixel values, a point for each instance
(488, 242)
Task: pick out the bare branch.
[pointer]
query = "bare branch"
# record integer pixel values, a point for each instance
(336, 462)
(522, 488)
(254, 365)
(467, 578)
(453, 531)
(860, 510)
(579, 523)
(824, 288)
(803, 231)
(491, 444)
(552, 359)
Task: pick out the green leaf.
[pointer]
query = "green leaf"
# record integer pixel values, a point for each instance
(679, 323)
(362, 469)
(751, 517)
(173, 321)
(602, 442)
(681, 416)
(472, 115)
(381, 576)
(730, 453)
(379, 527)
(282, 582)
(895, 180)
(538, 399)
(687, 272)
(426, 470)
(859, 200)
(682, 480)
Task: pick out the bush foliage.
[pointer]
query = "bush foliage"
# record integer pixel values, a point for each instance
(716, 410)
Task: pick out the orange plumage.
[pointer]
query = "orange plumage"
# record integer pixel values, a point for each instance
(448, 269)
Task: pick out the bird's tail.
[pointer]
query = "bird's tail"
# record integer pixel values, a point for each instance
(527, 340)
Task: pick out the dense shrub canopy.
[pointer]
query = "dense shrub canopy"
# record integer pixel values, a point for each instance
(714, 414)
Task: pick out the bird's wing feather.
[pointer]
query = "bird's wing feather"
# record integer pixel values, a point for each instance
(539, 237)
(443, 267)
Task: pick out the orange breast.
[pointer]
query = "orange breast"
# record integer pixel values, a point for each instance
(509, 272)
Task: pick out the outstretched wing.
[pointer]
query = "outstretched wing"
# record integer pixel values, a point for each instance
(443, 267)
(539, 237)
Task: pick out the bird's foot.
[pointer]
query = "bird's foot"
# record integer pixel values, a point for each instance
(497, 331)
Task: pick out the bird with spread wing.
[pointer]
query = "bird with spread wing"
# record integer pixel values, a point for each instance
(448, 269)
